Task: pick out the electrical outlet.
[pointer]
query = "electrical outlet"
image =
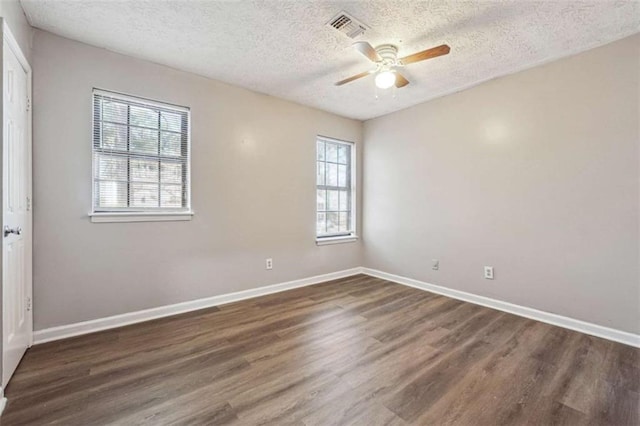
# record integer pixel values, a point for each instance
(435, 264)
(488, 272)
(269, 263)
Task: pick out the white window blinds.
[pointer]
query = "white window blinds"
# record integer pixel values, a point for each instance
(140, 155)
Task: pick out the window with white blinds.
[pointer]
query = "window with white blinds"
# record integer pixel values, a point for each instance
(140, 155)
(334, 188)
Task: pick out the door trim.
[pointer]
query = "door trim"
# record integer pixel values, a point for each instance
(7, 35)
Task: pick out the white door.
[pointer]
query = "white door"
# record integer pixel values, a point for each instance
(16, 212)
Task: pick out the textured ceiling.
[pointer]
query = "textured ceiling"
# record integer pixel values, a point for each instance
(284, 48)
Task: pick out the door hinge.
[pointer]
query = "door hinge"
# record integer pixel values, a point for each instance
(28, 304)
(28, 203)
(28, 103)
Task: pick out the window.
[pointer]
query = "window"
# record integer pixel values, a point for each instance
(335, 219)
(140, 156)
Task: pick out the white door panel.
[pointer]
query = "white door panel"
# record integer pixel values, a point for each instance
(16, 216)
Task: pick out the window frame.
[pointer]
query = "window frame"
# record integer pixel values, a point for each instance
(351, 235)
(141, 214)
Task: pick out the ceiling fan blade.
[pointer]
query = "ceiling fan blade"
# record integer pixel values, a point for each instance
(434, 52)
(367, 50)
(355, 77)
(401, 81)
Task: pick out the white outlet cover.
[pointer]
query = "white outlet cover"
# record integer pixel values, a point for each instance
(488, 272)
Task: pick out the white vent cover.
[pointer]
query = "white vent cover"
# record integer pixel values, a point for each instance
(347, 25)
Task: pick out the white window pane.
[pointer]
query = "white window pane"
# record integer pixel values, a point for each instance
(321, 200)
(111, 194)
(144, 194)
(170, 121)
(343, 155)
(320, 148)
(342, 175)
(320, 173)
(114, 136)
(114, 111)
(332, 201)
(344, 200)
(110, 167)
(140, 116)
(170, 144)
(171, 196)
(144, 170)
(332, 152)
(321, 223)
(332, 174)
(171, 172)
(333, 223)
(143, 140)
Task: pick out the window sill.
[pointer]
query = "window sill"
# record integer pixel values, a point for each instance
(336, 240)
(139, 217)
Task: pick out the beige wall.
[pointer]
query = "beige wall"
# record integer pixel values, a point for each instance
(536, 174)
(12, 12)
(253, 173)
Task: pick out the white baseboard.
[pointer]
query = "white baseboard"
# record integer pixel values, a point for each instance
(3, 403)
(85, 327)
(523, 311)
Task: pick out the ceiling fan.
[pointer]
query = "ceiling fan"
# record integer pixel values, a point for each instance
(387, 63)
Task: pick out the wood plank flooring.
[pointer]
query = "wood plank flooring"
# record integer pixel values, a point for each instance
(354, 351)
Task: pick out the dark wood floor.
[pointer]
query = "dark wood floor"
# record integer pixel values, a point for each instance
(354, 351)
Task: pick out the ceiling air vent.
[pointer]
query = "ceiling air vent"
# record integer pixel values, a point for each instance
(348, 25)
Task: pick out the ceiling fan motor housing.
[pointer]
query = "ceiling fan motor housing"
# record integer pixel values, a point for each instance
(389, 54)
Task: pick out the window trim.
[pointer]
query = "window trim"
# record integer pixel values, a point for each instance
(341, 237)
(104, 217)
(127, 214)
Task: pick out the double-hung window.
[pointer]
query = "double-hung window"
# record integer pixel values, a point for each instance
(140, 157)
(335, 187)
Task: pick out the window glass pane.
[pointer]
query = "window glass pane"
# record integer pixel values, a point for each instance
(143, 140)
(344, 221)
(114, 136)
(321, 200)
(320, 151)
(344, 200)
(342, 175)
(343, 154)
(109, 167)
(332, 200)
(321, 227)
(332, 152)
(332, 174)
(171, 172)
(320, 173)
(171, 196)
(140, 116)
(144, 170)
(114, 111)
(333, 222)
(170, 144)
(170, 121)
(144, 194)
(111, 194)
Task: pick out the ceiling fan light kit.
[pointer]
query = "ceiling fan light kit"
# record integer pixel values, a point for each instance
(385, 58)
(385, 79)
